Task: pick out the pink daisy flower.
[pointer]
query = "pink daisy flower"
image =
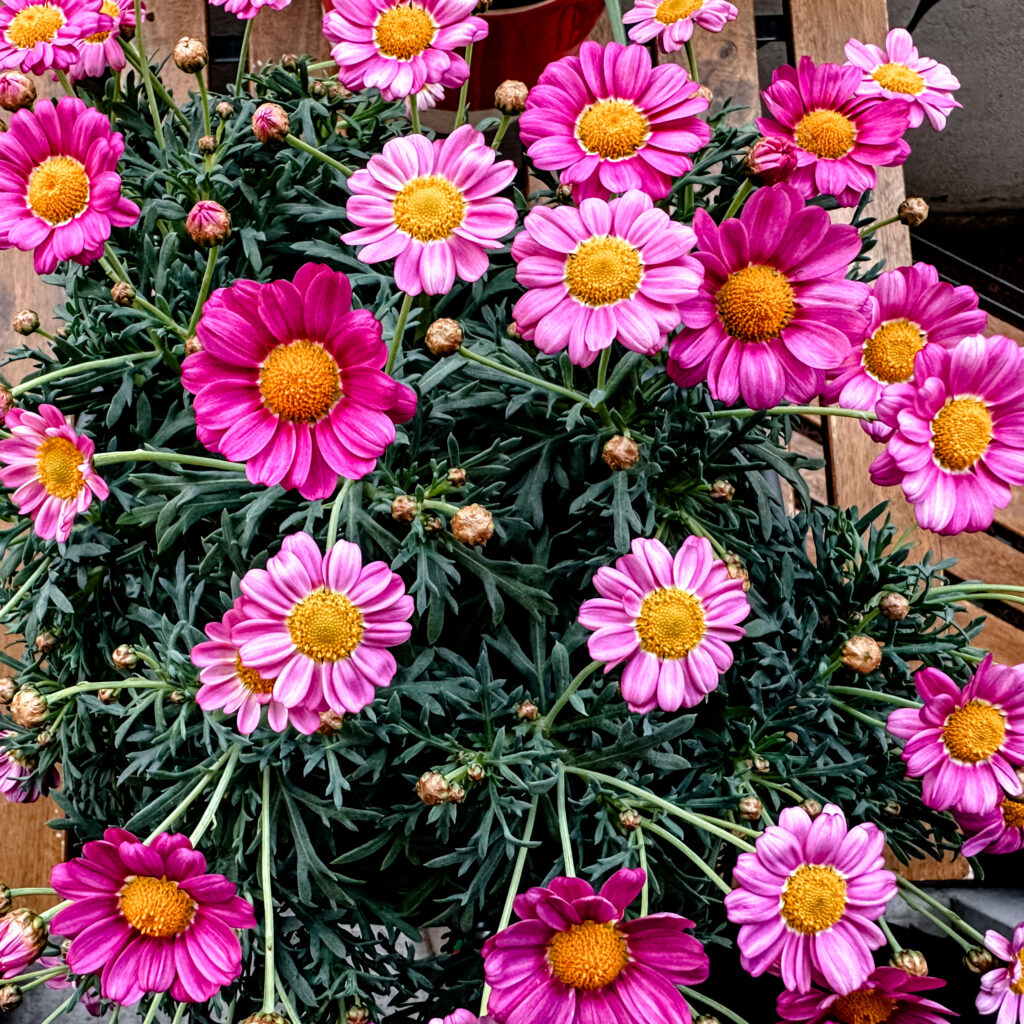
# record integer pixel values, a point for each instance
(60, 193)
(50, 468)
(610, 122)
(808, 900)
(433, 207)
(1002, 990)
(231, 685)
(607, 270)
(461, 1017)
(19, 782)
(246, 9)
(321, 625)
(289, 381)
(887, 996)
(899, 73)
(843, 136)
(909, 308)
(400, 46)
(999, 830)
(670, 619)
(22, 939)
(103, 50)
(775, 311)
(572, 959)
(671, 22)
(957, 441)
(148, 918)
(43, 35)
(964, 743)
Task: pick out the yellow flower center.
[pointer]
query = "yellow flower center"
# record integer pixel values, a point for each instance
(614, 129)
(671, 623)
(866, 1006)
(974, 732)
(603, 270)
(588, 956)
(326, 626)
(39, 23)
(813, 898)
(961, 432)
(429, 209)
(112, 9)
(826, 133)
(755, 303)
(404, 32)
(889, 352)
(58, 189)
(1013, 813)
(899, 78)
(251, 679)
(299, 382)
(1017, 987)
(57, 466)
(156, 907)
(671, 11)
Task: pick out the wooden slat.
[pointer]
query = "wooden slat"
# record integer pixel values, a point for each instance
(28, 849)
(297, 29)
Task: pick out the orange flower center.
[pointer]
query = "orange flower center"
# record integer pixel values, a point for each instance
(961, 433)
(299, 382)
(112, 9)
(325, 626)
(58, 190)
(866, 1006)
(404, 32)
(58, 463)
(429, 208)
(614, 129)
(603, 271)
(898, 77)
(755, 303)
(889, 352)
(826, 133)
(588, 956)
(670, 11)
(813, 898)
(671, 623)
(156, 906)
(1013, 813)
(251, 679)
(39, 23)
(1017, 987)
(974, 732)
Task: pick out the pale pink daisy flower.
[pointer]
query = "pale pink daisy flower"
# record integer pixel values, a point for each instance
(670, 619)
(808, 900)
(103, 50)
(909, 308)
(957, 441)
(229, 684)
(1002, 990)
(899, 72)
(289, 380)
(44, 35)
(246, 9)
(433, 207)
(50, 468)
(999, 830)
(965, 743)
(607, 270)
(401, 46)
(609, 121)
(426, 99)
(671, 22)
(321, 624)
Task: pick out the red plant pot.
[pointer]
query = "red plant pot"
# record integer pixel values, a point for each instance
(520, 44)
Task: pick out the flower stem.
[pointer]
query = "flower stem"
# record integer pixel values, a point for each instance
(695, 527)
(243, 56)
(42, 979)
(147, 75)
(269, 974)
(794, 410)
(214, 805)
(141, 455)
(871, 228)
(76, 368)
(645, 892)
(414, 114)
(549, 719)
(48, 915)
(511, 371)
(282, 994)
(717, 1007)
(296, 143)
(158, 86)
(920, 894)
(887, 932)
(691, 60)
(66, 1005)
(884, 698)
(179, 1013)
(190, 798)
(154, 1006)
(602, 368)
(32, 892)
(116, 684)
(24, 589)
(742, 192)
(140, 303)
(461, 114)
(119, 268)
(62, 77)
(204, 97)
(439, 506)
(722, 823)
(506, 120)
(396, 338)
(938, 922)
(614, 9)
(563, 825)
(204, 289)
(791, 793)
(667, 836)
(854, 713)
(332, 523)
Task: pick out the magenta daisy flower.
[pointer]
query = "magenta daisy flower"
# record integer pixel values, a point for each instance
(149, 918)
(44, 35)
(19, 782)
(400, 46)
(670, 619)
(909, 308)
(999, 830)
(607, 270)
(60, 193)
(461, 1017)
(964, 743)
(899, 73)
(610, 122)
(433, 207)
(887, 996)
(775, 311)
(808, 899)
(50, 468)
(102, 50)
(843, 136)
(289, 381)
(231, 685)
(957, 441)
(246, 9)
(321, 625)
(572, 959)
(22, 939)
(1002, 990)
(671, 22)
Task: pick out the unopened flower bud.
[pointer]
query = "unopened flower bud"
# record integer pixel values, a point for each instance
(16, 90)
(913, 212)
(207, 144)
(108, 695)
(65, 948)
(28, 708)
(22, 938)
(564, 193)
(432, 526)
(706, 1018)
(46, 642)
(482, 6)
(318, 88)
(527, 711)
(891, 809)
(124, 657)
(10, 998)
(513, 332)
(510, 97)
(191, 55)
(8, 687)
(979, 960)
(473, 525)
(25, 322)
(330, 723)
(911, 961)
(863, 654)
(357, 1015)
(456, 794)
(894, 606)
(736, 569)
(704, 93)
(456, 476)
(123, 293)
(630, 819)
(404, 508)
(177, 696)
(444, 337)
(812, 807)
(476, 771)
(771, 160)
(264, 1018)
(5, 898)
(761, 765)
(63, 331)
(750, 808)
(722, 490)
(208, 223)
(620, 452)
(336, 91)
(433, 789)
(290, 62)
(44, 737)
(193, 345)
(7, 403)
(225, 110)
(270, 123)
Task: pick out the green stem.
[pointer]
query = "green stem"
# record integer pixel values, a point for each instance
(792, 793)
(62, 77)
(179, 1013)
(154, 1006)
(43, 979)
(296, 143)
(645, 892)
(887, 932)
(214, 805)
(1009, 587)
(461, 114)
(92, 364)
(979, 595)
(190, 798)
(920, 894)
(269, 973)
(204, 289)
(602, 368)
(31, 892)
(140, 303)
(667, 836)
(204, 97)
(396, 338)
(506, 120)
(282, 994)
(119, 268)
(66, 1005)
(563, 825)
(691, 60)
(158, 86)
(117, 684)
(939, 923)
(511, 371)
(24, 588)
(322, 65)
(414, 114)
(717, 1007)
(439, 506)
(243, 56)
(871, 228)
(549, 719)
(698, 529)
(147, 75)
(723, 823)
(794, 410)
(854, 713)
(884, 698)
(140, 455)
(746, 187)
(614, 10)
(332, 523)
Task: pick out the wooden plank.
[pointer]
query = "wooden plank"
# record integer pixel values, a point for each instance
(28, 849)
(297, 29)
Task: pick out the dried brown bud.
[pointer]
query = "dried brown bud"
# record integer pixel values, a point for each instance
(432, 526)
(270, 123)
(911, 961)
(44, 738)
(473, 525)
(225, 110)
(513, 332)
(476, 772)
(527, 711)
(433, 789)
(404, 508)
(891, 809)
(318, 88)
(510, 97)
(482, 6)
(124, 657)
(5, 898)
(65, 948)
(63, 331)
(722, 490)
(736, 569)
(705, 93)
(3, 126)
(45, 642)
(863, 654)
(208, 223)
(330, 723)
(193, 345)
(456, 476)
(10, 998)
(563, 193)
(191, 55)
(706, 1018)
(620, 452)
(979, 960)
(25, 322)
(341, 127)
(913, 212)
(28, 708)
(8, 687)
(123, 293)
(456, 794)
(7, 403)
(761, 765)
(812, 807)
(630, 819)
(444, 337)
(177, 696)
(16, 90)
(207, 144)
(264, 1018)
(750, 808)
(357, 1015)
(126, 32)
(894, 606)
(108, 695)
(290, 62)
(336, 91)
